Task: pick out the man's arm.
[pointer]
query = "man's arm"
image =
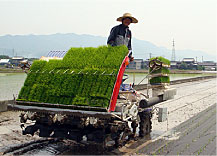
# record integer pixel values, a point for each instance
(129, 46)
(112, 36)
(130, 49)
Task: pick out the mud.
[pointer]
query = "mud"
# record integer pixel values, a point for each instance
(196, 136)
(193, 104)
(10, 131)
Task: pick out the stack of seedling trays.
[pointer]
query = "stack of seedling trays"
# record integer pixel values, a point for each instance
(159, 71)
(84, 77)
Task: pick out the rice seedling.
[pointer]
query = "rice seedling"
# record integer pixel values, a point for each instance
(85, 76)
(160, 80)
(159, 73)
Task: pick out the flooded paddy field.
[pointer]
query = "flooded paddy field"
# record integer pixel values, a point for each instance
(190, 129)
(11, 83)
(138, 77)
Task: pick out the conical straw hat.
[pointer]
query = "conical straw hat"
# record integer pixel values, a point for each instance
(127, 15)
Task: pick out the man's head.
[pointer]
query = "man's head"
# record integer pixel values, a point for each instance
(126, 21)
(127, 18)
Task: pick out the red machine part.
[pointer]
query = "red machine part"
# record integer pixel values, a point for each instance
(118, 84)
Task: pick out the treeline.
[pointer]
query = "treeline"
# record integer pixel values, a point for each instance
(185, 66)
(4, 57)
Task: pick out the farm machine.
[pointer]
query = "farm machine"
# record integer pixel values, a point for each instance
(128, 115)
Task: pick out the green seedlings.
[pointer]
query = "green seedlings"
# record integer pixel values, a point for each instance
(163, 70)
(82, 78)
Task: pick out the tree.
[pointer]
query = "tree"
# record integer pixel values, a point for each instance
(199, 67)
(183, 65)
(4, 57)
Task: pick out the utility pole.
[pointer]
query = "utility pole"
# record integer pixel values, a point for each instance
(196, 58)
(202, 58)
(13, 52)
(150, 55)
(173, 52)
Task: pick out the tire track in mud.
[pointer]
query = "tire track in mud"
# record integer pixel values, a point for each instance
(194, 136)
(47, 146)
(187, 95)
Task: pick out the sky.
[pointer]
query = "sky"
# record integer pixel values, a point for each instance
(192, 23)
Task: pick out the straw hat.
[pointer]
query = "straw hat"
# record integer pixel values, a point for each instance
(127, 15)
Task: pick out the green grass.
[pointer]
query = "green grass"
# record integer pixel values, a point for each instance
(83, 77)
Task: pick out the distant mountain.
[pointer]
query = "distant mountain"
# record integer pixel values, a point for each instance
(40, 45)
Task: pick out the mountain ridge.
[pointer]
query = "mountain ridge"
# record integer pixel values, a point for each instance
(39, 45)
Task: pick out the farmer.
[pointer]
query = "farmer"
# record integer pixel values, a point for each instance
(121, 35)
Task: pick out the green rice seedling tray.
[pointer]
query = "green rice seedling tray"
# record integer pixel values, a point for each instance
(159, 80)
(158, 68)
(84, 77)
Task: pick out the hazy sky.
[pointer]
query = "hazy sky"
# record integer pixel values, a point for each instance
(192, 23)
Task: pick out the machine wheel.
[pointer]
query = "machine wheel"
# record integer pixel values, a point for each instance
(97, 136)
(145, 125)
(120, 140)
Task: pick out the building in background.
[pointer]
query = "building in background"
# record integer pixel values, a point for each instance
(4, 62)
(16, 60)
(173, 65)
(189, 60)
(145, 64)
(136, 64)
(189, 63)
(57, 55)
(208, 65)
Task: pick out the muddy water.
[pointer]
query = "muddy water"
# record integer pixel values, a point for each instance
(10, 84)
(78, 149)
(138, 77)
